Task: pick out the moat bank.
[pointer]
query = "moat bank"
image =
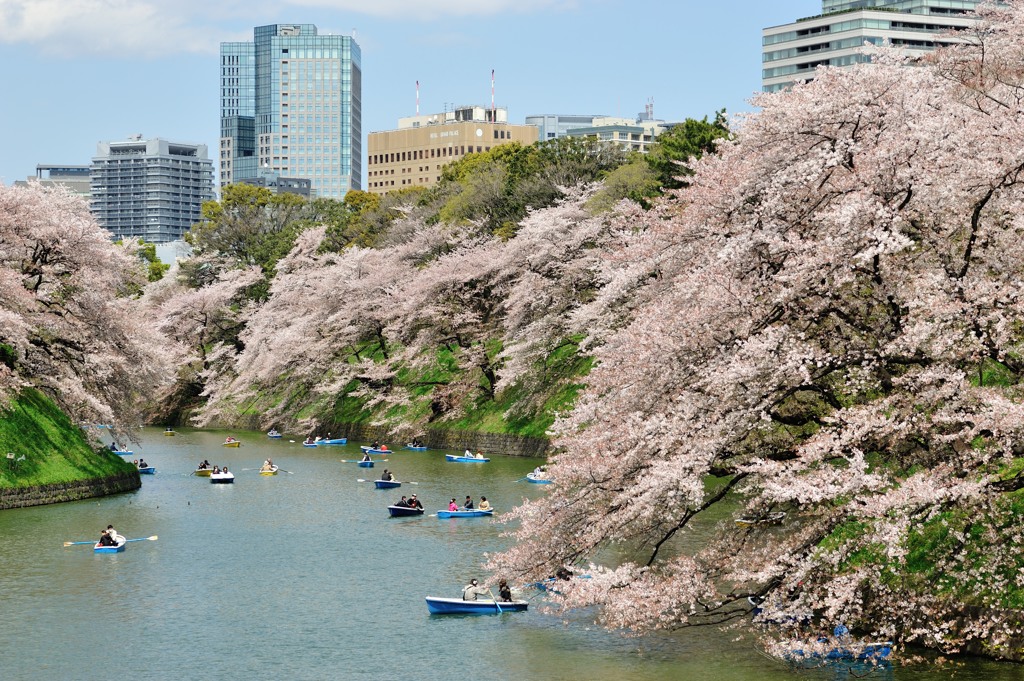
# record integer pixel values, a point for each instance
(38, 495)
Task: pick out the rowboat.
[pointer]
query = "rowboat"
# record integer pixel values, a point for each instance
(829, 650)
(538, 479)
(421, 448)
(203, 472)
(457, 606)
(169, 432)
(272, 471)
(768, 519)
(334, 441)
(274, 434)
(222, 478)
(465, 459)
(372, 450)
(386, 484)
(365, 464)
(307, 443)
(147, 470)
(397, 511)
(471, 513)
(122, 452)
(231, 443)
(116, 548)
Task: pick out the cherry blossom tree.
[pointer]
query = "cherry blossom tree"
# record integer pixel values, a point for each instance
(830, 330)
(68, 323)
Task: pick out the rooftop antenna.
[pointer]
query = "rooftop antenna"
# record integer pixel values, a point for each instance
(494, 117)
(417, 98)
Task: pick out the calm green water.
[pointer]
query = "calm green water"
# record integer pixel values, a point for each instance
(304, 576)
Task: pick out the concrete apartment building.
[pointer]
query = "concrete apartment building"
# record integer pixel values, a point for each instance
(152, 189)
(291, 104)
(413, 155)
(791, 52)
(553, 126)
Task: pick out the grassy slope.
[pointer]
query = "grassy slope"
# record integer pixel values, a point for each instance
(55, 449)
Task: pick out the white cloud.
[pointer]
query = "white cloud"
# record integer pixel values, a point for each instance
(152, 28)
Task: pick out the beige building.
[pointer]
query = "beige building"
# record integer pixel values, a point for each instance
(413, 155)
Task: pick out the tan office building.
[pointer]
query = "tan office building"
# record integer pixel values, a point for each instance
(413, 155)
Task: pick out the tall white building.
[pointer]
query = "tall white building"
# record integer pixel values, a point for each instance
(153, 189)
(791, 52)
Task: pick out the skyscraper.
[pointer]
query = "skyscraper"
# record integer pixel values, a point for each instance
(791, 52)
(290, 103)
(153, 189)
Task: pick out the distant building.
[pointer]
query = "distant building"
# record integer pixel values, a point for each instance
(791, 52)
(291, 103)
(413, 155)
(152, 189)
(75, 178)
(553, 126)
(281, 185)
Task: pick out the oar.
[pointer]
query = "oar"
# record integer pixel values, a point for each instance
(520, 479)
(74, 543)
(284, 471)
(494, 599)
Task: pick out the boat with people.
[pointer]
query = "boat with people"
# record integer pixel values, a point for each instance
(269, 471)
(147, 470)
(840, 647)
(774, 518)
(457, 606)
(538, 478)
(169, 432)
(386, 484)
(116, 547)
(310, 442)
(273, 434)
(231, 442)
(416, 448)
(203, 472)
(465, 513)
(334, 441)
(375, 450)
(222, 478)
(396, 511)
(365, 464)
(476, 458)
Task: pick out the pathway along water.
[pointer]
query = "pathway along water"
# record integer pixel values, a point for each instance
(305, 576)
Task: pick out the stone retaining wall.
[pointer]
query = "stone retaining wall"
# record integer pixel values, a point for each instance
(18, 497)
(489, 443)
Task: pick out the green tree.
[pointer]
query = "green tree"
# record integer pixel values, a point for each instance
(675, 147)
(155, 268)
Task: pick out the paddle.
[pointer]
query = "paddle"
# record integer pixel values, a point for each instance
(284, 471)
(74, 543)
(361, 461)
(494, 599)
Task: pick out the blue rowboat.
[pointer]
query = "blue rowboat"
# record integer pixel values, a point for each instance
(457, 606)
(386, 484)
(875, 652)
(371, 450)
(310, 444)
(126, 452)
(365, 464)
(148, 470)
(398, 511)
(335, 441)
(472, 513)
(416, 449)
(117, 548)
(532, 477)
(465, 459)
(274, 435)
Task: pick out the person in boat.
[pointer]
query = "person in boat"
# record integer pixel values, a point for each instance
(563, 574)
(310, 440)
(484, 504)
(216, 470)
(112, 533)
(415, 503)
(224, 470)
(452, 505)
(136, 462)
(375, 445)
(267, 466)
(142, 463)
(504, 592)
(480, 455)
(204, 464)
(472, 590)
(469, 503)
(468, 454)
(387, 476)
(366, 456)
(113, 446)
(106, 540)
(168, 429)
(403, 503)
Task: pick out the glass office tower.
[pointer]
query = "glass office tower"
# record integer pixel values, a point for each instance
(291, 104)
(836, 37)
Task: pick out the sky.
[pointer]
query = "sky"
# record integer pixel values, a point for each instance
(78, 72)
